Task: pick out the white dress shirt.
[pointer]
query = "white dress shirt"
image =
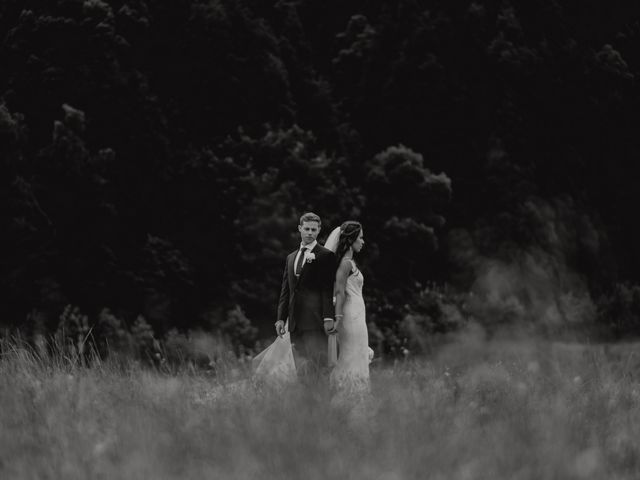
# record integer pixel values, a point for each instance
(307, 251)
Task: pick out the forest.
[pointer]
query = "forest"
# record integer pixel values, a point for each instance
(155, 157)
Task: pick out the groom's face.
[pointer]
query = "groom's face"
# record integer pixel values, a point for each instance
(308, 232)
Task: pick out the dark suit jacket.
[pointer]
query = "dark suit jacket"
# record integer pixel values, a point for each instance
(307, 300)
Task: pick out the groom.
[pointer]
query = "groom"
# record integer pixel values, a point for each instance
(306, 296)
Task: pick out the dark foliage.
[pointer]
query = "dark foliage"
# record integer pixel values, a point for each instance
(155, 156)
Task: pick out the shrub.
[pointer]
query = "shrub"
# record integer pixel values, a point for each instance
(619, 310)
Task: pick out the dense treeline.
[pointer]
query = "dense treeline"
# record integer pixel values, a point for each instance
(155, 157)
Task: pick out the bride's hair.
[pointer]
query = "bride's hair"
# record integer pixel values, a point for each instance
(349, 232)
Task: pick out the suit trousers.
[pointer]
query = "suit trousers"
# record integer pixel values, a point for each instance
(309, 350)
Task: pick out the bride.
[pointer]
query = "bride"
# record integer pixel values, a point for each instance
(351, 373)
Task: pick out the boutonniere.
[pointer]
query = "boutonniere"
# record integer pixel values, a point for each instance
(311, 257)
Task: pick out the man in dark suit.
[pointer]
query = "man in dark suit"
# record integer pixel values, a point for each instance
(306, 296)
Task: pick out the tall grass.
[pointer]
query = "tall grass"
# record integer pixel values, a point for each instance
(475, 410)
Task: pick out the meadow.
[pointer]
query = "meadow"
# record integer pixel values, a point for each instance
(474, 409)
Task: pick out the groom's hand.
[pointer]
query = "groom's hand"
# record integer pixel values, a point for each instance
(280, 328)
(329, 326)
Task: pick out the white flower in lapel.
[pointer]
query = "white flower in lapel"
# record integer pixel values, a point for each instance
(311, 257)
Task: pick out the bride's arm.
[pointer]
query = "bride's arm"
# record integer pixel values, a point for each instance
(340, 287)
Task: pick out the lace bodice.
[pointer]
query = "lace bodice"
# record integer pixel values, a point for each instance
(355, 281)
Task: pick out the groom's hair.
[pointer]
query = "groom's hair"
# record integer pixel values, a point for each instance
(310, 217)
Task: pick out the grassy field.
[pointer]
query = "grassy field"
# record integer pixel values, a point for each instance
(475, 410)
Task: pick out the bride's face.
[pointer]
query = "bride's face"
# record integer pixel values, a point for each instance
(359, 243)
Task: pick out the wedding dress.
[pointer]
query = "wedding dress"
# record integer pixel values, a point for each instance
(351, 373)
(275, 364)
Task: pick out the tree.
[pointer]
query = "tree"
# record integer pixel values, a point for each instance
(402, 212)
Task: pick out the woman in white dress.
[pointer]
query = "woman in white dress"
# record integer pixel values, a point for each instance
(351, 373)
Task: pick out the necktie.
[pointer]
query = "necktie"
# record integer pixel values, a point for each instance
(300, 261)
